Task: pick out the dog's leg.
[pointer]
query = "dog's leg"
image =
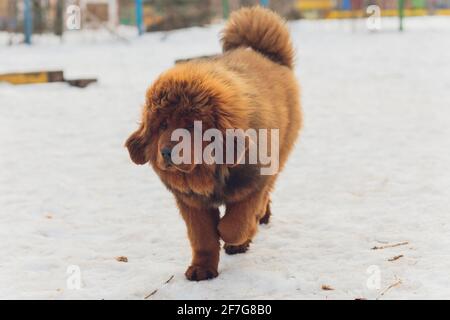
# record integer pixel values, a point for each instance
(240, 222)
(202, 232)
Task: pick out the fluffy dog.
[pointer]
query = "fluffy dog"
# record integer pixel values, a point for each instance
(250, 85)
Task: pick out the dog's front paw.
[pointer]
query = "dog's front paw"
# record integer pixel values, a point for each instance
(199, 273)
(231, 233)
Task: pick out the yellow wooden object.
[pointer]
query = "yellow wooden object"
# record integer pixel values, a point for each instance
(24, 78)
(443, 12)
(408, 12)
(44, 77)
(347, 14)
(32, 77)
(315, 4)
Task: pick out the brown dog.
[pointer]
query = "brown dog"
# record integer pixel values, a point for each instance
(251, 85)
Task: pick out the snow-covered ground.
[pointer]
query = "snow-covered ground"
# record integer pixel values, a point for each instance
(372, 168)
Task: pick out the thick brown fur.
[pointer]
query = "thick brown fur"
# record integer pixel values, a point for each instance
(251, 85)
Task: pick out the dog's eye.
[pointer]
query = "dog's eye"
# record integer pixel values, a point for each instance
(163, 125)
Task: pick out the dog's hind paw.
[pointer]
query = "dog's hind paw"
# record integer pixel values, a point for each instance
(232, 249)
(265, 219)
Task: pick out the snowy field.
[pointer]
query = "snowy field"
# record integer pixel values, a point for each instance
(372, 168)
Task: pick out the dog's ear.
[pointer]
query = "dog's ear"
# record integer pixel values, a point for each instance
(137, 145)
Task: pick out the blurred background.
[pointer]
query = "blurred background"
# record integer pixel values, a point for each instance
(372, 166)
(30, 17)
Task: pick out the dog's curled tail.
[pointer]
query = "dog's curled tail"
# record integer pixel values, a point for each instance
(261, 29)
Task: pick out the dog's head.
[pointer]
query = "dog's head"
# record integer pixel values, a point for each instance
(181, 96)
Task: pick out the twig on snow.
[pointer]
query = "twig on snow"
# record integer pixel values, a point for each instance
(151, 293)
(390, 245)
(156, 290)
(327, 287)
(395, 258)
(395, 284)
(122, 259)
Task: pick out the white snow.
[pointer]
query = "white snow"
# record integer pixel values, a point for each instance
(372, 167)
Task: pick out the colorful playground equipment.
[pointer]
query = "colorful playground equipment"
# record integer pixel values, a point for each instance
(344, 9)
(37, 16)
(348, 9)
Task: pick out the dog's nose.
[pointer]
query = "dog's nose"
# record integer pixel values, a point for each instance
(166, 154)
